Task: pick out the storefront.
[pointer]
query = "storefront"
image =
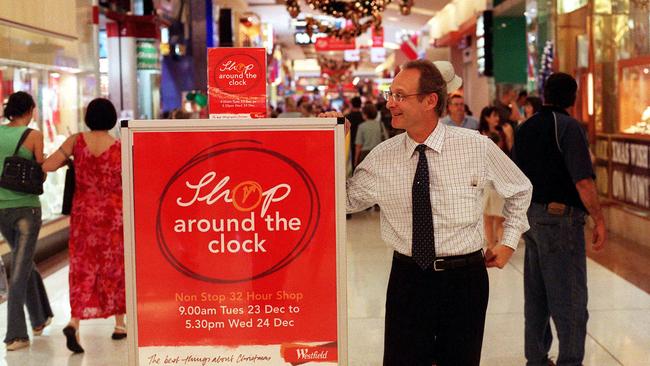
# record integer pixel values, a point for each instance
(621, 70)
(605, 46)
(55, 62)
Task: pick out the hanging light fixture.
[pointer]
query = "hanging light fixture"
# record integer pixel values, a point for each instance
(354, 11)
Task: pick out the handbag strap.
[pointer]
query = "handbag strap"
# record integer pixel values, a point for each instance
(23, 137)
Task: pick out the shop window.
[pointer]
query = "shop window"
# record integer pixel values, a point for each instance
(634, 95)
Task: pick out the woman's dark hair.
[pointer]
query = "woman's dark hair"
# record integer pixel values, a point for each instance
(534, 102)
(370, 111)
(100, 115)
(18, 104)
(485, 113)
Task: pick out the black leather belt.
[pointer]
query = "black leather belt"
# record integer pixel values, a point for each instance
(559, 209)
(449, 263)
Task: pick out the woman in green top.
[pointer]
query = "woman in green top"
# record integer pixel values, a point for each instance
(20, 222)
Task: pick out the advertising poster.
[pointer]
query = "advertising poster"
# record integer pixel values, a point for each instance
(236, 82)
(234, 237)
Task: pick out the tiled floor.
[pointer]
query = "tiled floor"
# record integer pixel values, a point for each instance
(618, 327)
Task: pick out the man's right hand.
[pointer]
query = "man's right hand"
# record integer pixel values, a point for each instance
(335, 114)
(599, 235)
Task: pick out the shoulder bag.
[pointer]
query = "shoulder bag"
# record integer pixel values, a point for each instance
(20, 174)
(68, 189)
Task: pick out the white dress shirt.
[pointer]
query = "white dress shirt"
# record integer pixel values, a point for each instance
(461, 163)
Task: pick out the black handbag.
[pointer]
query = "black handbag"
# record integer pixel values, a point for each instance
(20, 174)
(68, 189)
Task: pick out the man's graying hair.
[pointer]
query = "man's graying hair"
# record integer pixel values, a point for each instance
(431, 81)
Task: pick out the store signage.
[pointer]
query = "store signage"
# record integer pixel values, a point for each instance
(351, 55)
(235, 248)
(377, 55)
(334, 44)
(147, 55)
(237, 82)
(378, 37)
(484, 44)
(631, 172)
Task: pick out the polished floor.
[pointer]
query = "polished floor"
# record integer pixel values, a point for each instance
(618, 331)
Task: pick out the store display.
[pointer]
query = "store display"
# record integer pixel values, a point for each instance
(642, 127)
(634, 96)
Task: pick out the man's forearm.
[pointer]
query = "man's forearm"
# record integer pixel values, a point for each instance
(589, 196)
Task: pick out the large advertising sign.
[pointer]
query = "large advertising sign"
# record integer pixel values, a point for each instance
(237, 82)
(234, 243)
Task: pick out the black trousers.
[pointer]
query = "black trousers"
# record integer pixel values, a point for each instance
(435, 316)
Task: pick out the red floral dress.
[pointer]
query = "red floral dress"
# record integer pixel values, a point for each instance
(96, 238)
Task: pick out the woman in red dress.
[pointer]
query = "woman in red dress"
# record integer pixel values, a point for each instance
(96, 237)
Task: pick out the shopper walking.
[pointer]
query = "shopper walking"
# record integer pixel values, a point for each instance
(552, 151)
(501, 134)
(370, 133)
(428, 183)
(96, 237)
(20, 223)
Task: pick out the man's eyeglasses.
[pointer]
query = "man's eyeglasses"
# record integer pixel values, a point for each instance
(398, 97)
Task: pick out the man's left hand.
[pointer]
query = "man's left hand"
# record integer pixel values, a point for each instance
(499, 256)
(334, 114)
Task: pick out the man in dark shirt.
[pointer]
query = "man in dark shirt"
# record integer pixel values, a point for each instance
(551, 149)
(356, 118)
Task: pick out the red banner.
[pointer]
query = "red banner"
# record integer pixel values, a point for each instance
(377, 37)
(235, 242)
(334, 44)
(409, 46)
(237, 82)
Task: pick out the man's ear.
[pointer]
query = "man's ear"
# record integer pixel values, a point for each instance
(432, 101)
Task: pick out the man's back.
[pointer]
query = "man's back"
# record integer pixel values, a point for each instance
(551, 149)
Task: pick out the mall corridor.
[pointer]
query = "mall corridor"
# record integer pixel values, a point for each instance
(617, 331)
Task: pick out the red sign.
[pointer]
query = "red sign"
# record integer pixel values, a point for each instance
(409, 46)
(235, 246)
(377, 37)
(237, 82)
(334, 44)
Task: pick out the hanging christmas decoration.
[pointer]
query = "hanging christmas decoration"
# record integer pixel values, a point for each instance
(334, 70)
(546, 66)
(362, 14)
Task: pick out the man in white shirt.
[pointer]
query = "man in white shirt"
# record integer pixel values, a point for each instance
(456, 114)
(429, 183)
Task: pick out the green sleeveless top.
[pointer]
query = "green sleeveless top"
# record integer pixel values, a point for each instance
(9, 137)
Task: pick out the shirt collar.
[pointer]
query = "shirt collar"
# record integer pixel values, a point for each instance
(434, 141)
(555, 109)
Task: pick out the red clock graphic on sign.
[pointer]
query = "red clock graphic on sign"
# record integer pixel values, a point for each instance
(218, 219)
(238, 73)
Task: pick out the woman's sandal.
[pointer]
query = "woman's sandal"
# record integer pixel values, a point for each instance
(72, 342)
(119, 333)
(39, 330)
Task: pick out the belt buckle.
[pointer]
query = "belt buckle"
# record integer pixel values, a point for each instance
(435, 265)
(556, 209)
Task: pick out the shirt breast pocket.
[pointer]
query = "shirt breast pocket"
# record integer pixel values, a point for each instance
(458, 205)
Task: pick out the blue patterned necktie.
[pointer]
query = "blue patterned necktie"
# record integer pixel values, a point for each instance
(424, 250)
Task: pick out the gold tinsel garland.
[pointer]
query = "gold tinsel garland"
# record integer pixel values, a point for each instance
(354, 11)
